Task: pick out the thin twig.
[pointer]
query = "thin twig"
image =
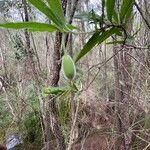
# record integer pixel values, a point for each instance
(141, 13)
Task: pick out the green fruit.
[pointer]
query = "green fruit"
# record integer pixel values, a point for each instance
(69, 68)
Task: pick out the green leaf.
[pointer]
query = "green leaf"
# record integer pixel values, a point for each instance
(41, 6)
(129, 13)
(125, 8)
(97, 38)
(56, 7)
(30, 25)
(107, 34)
(118, 32)
(110, 4)
(42, 30)
(115, 17)
(88, 46)
(54, 90)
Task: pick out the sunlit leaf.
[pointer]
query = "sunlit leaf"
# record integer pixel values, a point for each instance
(35, 26)
(41, 6)
(56, 7)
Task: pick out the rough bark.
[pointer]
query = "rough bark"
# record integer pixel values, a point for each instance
(123, 84)
(56, 125)
(56, 66)
(117, 75)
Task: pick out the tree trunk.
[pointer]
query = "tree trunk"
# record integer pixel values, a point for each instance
(123, 83)
(56, 125)
(118, 95)
(56, 66)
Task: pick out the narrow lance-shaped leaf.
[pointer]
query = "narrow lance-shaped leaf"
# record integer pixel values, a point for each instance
(129, 13)
(56, 7)
(110, 4)
(97, 38)
(107, 34)
(88, 46)
(125, 8)
(115, 17)
(41, 6)
(30, 25)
